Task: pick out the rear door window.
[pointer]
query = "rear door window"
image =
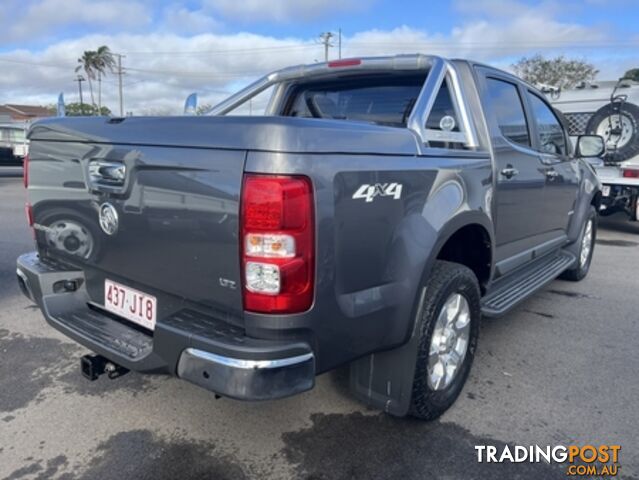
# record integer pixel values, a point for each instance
(506, 102)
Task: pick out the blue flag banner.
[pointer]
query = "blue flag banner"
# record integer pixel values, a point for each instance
(61, 111)
(190, 106)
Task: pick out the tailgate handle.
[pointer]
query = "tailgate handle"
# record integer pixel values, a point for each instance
(107, 172)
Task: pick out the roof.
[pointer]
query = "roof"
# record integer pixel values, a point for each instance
(24, 111)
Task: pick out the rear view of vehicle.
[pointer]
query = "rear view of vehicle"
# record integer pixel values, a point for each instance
(224, 249)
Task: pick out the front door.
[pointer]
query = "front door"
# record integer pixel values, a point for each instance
(562, 181)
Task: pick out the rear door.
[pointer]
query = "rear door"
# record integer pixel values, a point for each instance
(520, 173)
(562, 182)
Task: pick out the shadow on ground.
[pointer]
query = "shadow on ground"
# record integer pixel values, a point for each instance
(357, 446)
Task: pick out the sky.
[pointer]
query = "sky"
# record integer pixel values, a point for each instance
(214, 47)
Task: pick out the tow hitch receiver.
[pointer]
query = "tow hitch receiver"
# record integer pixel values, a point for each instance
(92, 366)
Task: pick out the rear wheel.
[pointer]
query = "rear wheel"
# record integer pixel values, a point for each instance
(586, 249)
(448, 329)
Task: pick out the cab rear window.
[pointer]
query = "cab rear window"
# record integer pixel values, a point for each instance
(384, 100)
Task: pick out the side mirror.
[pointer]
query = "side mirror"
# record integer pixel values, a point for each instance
(590, 146)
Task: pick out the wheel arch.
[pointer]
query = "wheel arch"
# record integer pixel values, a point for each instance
(468, 228)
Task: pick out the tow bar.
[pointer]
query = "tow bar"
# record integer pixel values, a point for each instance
(92, 366)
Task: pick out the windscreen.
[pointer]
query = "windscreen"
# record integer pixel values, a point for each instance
(382, 99)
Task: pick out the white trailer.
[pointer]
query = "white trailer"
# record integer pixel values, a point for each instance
(609, 109)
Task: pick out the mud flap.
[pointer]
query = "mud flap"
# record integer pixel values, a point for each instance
(384, 380)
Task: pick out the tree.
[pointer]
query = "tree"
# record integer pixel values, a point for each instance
(87, 63)
(95, 64)
(559, 72)
(103, 61)
(74, 110)
(632, 74)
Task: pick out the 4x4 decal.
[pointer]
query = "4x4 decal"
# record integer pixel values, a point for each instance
(369, 192)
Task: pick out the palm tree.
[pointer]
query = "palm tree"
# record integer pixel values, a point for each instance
(87, 63)
(103, 61)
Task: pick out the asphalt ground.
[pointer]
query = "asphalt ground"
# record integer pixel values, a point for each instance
(562, 369)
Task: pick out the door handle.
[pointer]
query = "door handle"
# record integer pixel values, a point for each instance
(509, 172)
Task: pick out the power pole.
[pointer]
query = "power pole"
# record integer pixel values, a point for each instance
(120, 72)
(326, 40)
(340, 43)
(80, 79)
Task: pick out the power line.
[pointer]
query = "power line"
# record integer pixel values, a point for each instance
(196, 75)
(493, 45)
(360, 45)
(38, 64)
(225, 51)
(326, 43)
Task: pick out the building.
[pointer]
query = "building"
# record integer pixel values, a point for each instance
(24, 113)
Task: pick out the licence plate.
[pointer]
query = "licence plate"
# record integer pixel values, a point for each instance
(605, 191)
(136, 306)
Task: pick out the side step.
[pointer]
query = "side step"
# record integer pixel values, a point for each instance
(521, 284)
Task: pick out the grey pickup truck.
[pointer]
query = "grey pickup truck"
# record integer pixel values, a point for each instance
(370, 217)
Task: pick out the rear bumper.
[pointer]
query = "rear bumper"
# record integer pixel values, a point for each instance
(621, 197)
(248, 379)
(195, 347)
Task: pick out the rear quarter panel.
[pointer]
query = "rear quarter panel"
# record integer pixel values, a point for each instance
(371, 255)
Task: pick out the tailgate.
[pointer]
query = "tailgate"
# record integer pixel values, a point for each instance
(160, 219)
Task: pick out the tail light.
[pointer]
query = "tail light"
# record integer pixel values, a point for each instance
(25, 171)
(277, 243)
(631, 173)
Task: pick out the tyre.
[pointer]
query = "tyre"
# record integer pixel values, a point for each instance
(586, 249)
(620, 129)
(448, 330)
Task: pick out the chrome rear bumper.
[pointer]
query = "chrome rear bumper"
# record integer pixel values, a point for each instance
(248, 379)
